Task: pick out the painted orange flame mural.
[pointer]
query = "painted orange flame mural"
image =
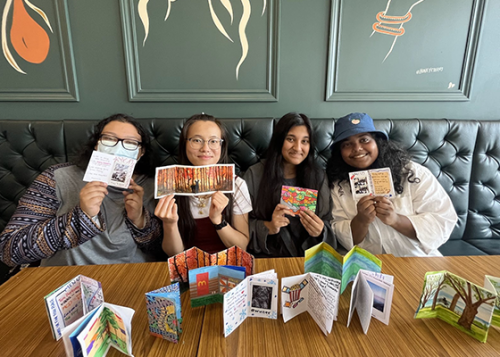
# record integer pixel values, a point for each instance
(28, 38)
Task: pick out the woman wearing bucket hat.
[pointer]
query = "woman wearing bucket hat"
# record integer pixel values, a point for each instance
(418, 220)
(274, 229)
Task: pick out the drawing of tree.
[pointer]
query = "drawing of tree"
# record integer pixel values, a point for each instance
(471, 295)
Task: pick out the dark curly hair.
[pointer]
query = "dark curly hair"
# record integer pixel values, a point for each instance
(390, 154)
(144, 165)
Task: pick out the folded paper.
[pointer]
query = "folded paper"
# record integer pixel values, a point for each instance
(164, 312)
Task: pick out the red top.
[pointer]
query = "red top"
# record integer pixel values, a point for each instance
(206, 237)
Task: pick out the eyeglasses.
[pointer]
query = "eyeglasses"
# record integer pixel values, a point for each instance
(128, 144)
(197, 143)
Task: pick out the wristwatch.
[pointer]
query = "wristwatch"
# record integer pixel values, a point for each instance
(220, 225)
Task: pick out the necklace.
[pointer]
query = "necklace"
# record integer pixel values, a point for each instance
(202, 203)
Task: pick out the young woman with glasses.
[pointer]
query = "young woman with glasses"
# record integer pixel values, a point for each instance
(209, 222)
(63, 220)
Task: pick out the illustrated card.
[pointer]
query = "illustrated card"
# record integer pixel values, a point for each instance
(377, 182)
(458, 302)
(114, 170)
(256, 296)
(493, 284)
(207, 285)
(194, 180)
(164, 312)
(71, 301)
(297, 197)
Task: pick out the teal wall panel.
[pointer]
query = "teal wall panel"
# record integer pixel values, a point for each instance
(97, 34)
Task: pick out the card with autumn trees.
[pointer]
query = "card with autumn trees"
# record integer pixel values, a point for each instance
(194, 180)
(462, 304)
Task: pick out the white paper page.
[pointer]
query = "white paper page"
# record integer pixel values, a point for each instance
(294, 290)
(360, 184)
(354, 293)
(91, 294)
(235, 307)
(113, 170)
(364, 303)
(322, 299)
(68, 330)
(389, 279)
(382, 298)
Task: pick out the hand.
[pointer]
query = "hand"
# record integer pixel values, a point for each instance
(278, 219)
(218, 204)
(91, 197)
(311, 222)
(166, 210)
(366, 210)
(385, 211)
(133, 204)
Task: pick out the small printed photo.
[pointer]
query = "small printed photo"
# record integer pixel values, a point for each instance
(120, 173)
(360, 185)
(262, 296)
(379, 296)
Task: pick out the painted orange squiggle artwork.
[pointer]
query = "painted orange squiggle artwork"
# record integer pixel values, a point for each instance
(28, 38)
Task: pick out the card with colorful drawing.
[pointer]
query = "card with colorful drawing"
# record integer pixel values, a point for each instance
(458, 302)
(323, 259)
(256, 296)
(377, 182)
(493, 284)
(164, 312)
(297, 197)
(317, 294)
(71, 301)
(371, 296)
(193, 258)
(207, 285)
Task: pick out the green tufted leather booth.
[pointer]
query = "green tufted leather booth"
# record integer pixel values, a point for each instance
(464, 156)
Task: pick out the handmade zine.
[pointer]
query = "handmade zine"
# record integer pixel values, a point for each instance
(71, 301)
(377, 182)
(164, 312)
(297, 197)
(371, 296)
(256, 296)
(317, 294)
(323, 259)
(194, 180)
(493, 284)
(459, 302)
(93, 334)
(207, 285)
(180, 264)
(114, 170)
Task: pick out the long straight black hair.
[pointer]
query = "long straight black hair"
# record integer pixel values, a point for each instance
(307, 175)
(144, 165)
(187, 223)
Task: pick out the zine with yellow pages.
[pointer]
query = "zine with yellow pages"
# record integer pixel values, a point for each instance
(376, 182)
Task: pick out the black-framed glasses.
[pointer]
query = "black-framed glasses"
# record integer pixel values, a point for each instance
(197, 143)
(128, 144)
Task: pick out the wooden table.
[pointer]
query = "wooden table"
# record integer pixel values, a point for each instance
(25, 330)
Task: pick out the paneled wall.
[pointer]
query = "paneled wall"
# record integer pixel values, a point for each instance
(318, 57)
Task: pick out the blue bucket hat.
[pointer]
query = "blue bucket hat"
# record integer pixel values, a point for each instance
(352, 124)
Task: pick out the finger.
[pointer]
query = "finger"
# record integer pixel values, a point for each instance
(162, 204)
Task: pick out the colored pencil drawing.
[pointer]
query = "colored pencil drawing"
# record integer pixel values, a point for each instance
(243, 22)
(294, 294)
(457, 301)
(164, 313)
(193, 180)
(29, 40)
(297, 197)
(493, 284)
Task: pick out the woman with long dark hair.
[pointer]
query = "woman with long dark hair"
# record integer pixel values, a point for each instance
(414, 223)
(63, 220)
(209, 222)
(276, 230)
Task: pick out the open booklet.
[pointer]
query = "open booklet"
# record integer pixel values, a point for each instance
(297, 197)
(377, 182)
(114, 170)
(462, 304)
(71, 301)
(323, 259)
(314, 293)
(164, 312)
(180, 264)
(493, 284)
(371, 296)
(207, 285)
(194, 180)
(256, 296)
(95, 333)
